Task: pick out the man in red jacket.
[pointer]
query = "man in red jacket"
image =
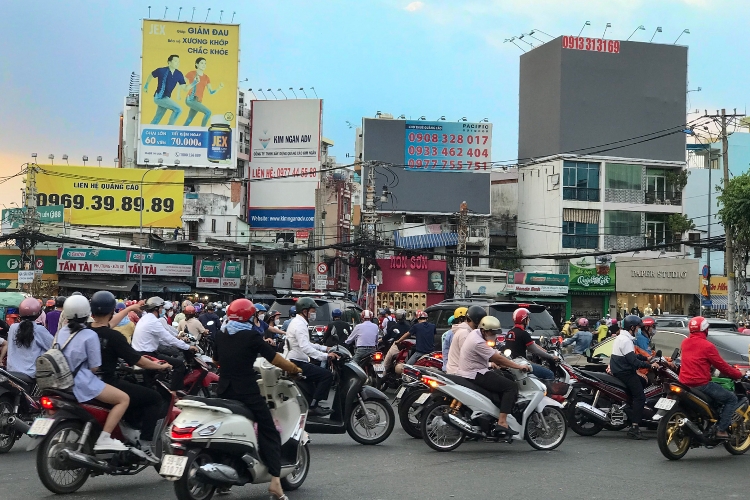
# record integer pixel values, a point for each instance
(698, 356)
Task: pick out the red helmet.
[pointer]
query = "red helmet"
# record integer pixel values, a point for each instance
(648, 321)
(366, 314)
(240, 310)
(421, 315)
(583, 322)
(50, 303)
(520, 314)
(189, 310)
(698, 324)
(29, 308)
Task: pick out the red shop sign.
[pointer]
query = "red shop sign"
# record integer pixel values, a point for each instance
(406, 262)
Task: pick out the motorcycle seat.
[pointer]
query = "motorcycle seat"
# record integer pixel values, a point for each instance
(705, 397)
(66, 395)
(22, 379)
(465, 382)
(234, 406)
(607, 379)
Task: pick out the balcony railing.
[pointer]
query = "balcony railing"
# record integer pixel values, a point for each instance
(663, 198)
(580, 241)
(581, 194)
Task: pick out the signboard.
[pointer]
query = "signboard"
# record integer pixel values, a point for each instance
(448, 146)
(13, 217)
(658, 275)
(591, 44)
(188, 105)
(105, 261)
(26, 276)
(10, 263)
(719, 286)
(302, 235)
(158, 264)
(100, 196)
(537, 283)
(322, 268)
(218, 274)
(282, 218)
(595, 278)
(321, 282)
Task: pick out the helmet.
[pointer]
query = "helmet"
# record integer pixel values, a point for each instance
(489, 323)
(210, 307)
(648, 321)
(521, 314)
(306, 303)
(120, 306)
(168, 305)
(450, 320)
(698, 324)
(460, 312)
(29, 308)
(154, 303)
(366, 314)
(186, 303)
(336, 313)
(583, 322)
(421, 315)
(59, 301)
(572, 318)
(400, 314)
(292, 311)
(381, 312)
(632, 321)
(103, 303)
(259, 307)
(76, 307)
(475, 314)
(273, 312)
(241, 310)
(189, 310)
(51, 303)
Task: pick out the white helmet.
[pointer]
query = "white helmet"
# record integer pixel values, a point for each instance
(76, 307)
(154, 303)
(366, 314)
(168, 305)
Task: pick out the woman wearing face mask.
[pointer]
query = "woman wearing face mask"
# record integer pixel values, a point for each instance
(274, 324)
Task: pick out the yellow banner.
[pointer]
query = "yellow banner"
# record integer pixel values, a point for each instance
(100, 196)
(718, 286)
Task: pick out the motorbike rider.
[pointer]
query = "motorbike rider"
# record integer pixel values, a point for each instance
(582, 337)
(698, 356)
(150, 335)
(210, 320)
(624, 364)
(424, 332)
(235, 352)
(27, 340)
(461, 329)
(292, 314)
(473, 364)
(570, 326)
(603, 329)
(337, 331)
(52, 320)
(191, 324)
(646, 333)
(365, 335)
(518, 340)
(459, 317)
(393, 332)
(145, 404)
(301, 350)
(164, 318)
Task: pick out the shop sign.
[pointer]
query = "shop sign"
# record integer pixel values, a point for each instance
(658, 275)
(218, 274)
(599, 277)
(537, 283)
(719, 286)
(407, 262)
(105, 261)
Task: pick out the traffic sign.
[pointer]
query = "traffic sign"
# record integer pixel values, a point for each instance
(39, 264)
(322, 268)
(25, 276)
(321, 283)
(704, 271)
(707, 302)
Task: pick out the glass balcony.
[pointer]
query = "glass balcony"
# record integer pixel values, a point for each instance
(580, 241)
(664, 197)
(581, 194)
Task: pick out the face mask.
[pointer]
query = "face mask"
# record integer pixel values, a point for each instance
(162, 313)
(311, 316)
(277, 322)
(261, 316)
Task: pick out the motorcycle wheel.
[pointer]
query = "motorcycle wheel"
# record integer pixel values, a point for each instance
(297, 477)
(8, 435)
(55, 475)
(581, 423)
(439, 435)
(187, 487)
(378, 428)
(673, 442)
(736, 445)
(547, 437)
(409, 422)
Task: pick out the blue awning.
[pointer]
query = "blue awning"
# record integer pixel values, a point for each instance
(718, 303)
(425, 240)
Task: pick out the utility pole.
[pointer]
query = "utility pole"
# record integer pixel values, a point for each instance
(27, 242)
(463, 233)
(369, 221)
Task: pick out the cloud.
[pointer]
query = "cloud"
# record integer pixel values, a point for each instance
(414, 6)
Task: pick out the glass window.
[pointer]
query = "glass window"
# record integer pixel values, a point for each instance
(580, 181)
(580, 235)
(622, 223)
(619, 176)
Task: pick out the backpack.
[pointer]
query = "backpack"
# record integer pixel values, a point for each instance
(52, 368)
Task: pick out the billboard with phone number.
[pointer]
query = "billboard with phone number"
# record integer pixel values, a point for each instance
(448, 146)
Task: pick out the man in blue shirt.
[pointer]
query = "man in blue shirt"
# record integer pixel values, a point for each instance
(425, 335)
(168, 78)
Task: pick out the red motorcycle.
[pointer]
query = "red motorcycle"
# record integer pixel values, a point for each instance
(200, 380)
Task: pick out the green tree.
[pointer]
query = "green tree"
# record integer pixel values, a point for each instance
(679, 223)
(734, 213)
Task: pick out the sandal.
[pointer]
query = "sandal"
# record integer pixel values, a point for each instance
(282, 497)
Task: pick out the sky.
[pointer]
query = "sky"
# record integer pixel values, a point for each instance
(66, 63)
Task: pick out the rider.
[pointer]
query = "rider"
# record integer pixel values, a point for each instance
(458, 318)
(27, 340)
(235, 351)
(337, 330)
(473, 315)
(645, 334)
(52, 319)
(365, 335)
(570, 326)
(518, 340)
(210, 320)
(473, 364)
(301, 350)
(624, 364)
(292, 314)
(698, 356)
(582, 337)
(150, 334)
(603, 329)
(191, 324)
(393, 332)
(424, 332)
(145, 404)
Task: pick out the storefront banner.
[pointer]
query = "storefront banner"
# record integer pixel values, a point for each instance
(658, 276)
(232, 274)
(104, 261)
(282, 218)
(536, 289)
(597, 278)
(719, 286)
(218, 274)
(156, 264)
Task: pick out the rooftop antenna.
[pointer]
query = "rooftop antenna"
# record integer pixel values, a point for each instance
(293, 92)
(179, 13)
(303, 91)
(191, 17)
(135, 84)
(313, 89)
(207, 13)
(641, 27)
(233, 13)
(165, 12)
(658, 30)
(587, 23)
(221, 14)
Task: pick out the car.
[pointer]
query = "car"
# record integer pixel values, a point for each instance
(326, 304)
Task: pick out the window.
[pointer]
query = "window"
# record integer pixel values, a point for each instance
(580, 235)
(580, 181)
(229, 229)
(213, 225)
(619, 223)
(619, 176)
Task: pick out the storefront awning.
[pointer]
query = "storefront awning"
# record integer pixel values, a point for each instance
(425, 240)
(112, 286)
(171, 287)
(718, 303)
(192, 218)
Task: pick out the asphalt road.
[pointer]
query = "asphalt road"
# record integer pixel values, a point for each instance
(606, 466)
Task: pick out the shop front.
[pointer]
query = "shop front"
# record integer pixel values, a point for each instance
(591, 287)
(550, 290)
(656, 286)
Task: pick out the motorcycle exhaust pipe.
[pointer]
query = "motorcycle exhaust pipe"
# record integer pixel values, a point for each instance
(692, 428)
(218, 475)
(462, 426)
(18, 425)
(594, 412)
(67, 455)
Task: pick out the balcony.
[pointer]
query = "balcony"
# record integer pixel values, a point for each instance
(663, 198)
(580, 194)
(580, 241)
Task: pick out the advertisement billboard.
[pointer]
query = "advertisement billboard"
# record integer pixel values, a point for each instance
(284, 159)
(100, 196)
(106, 261)
(13, 217)
(218, 274)
(188, 106)
(448, 146)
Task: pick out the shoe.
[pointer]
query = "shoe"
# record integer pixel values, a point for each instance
(635, 433)
(317, 411)
(223, 490)
(145, 454)
(109, 444)
(498, 429)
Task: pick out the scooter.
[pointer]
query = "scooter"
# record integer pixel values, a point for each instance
(358, 409)
(214, 443)
(458, 408)
(18, 408)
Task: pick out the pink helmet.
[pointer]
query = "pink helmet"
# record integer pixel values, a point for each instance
(421, 315)
(30, 307)
(366, 314)
(583, 322)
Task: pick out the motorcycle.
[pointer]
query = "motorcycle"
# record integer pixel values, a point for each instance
(358, 409)
(458, 408)
(214, 443)
(688, 419)
(18, 408)
(65, 439)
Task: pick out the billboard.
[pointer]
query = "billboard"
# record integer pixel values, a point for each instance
(448, 146)
(13, 217)
(188, 106)
(100, 196)
(284, 163)
(105, 261)
(218, 274)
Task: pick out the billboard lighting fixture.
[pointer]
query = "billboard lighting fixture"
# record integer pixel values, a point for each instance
(463, 119)
(293, 92)
(684, 32)
(422, 117)
(33, 155)
(402, 116)
(85, 159)
(485, 120)
(282, 92)
(641, 27)
(271, 91)
(176, 162)
(161, 160)
(303, 91)
(609, 25)
(587, 23)
(658, 30)
(442, 118)
(51, 158)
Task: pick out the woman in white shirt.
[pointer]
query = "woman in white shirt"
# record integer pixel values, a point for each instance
(27, 340)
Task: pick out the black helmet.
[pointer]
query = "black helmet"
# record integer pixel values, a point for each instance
(102, 303)
(59, 301)
(475, 314)
(305, 303)
(630, 321)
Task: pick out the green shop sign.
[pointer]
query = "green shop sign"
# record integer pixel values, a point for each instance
(13, 217)
(596, 278)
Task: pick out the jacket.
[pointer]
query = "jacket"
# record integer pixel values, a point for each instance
(698, 356)
(582, 340)
(460, 332)
(150, 334)
(300, 347)
(624, 360)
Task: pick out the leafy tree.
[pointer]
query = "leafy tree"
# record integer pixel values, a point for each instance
(679, 223)
(734, 213)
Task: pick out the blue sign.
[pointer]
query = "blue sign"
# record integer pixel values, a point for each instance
(282, 218)
(704, 272)
(448, 146)
(708, 302)
(371, 288)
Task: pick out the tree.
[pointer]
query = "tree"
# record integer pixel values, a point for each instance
(734, 213)
(679, 224)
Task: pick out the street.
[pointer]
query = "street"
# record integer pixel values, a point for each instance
(602, 466)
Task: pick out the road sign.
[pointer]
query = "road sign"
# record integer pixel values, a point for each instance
(25, 276)
(14, 264)
(371, 288)
(708, 303)
(322, 268)
(704, 271)
(705, 282)
(321, 283)
(39, 264)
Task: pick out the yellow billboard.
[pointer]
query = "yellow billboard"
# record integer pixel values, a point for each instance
(718, 286)
(101, 196)
(189, 99)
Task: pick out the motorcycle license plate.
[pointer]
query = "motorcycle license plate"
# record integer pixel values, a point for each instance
(379, 368)
(172, 465)
(665, 404)
(41, 426)
(421, 399)
(400, 392)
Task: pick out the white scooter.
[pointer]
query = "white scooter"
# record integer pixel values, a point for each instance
(214, 442)
(459, 408)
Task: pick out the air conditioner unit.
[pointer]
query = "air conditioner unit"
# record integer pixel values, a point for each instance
(347, 217)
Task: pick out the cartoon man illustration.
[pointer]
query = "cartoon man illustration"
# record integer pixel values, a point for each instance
(167, 78)
(198, 82)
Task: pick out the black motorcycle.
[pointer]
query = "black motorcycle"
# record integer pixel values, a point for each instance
(358, 409)
(18, 408)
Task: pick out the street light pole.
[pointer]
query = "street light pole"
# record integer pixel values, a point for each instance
(140, 267)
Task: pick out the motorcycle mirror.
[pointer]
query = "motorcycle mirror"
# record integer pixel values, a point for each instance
(659, 353)
(676, 353)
